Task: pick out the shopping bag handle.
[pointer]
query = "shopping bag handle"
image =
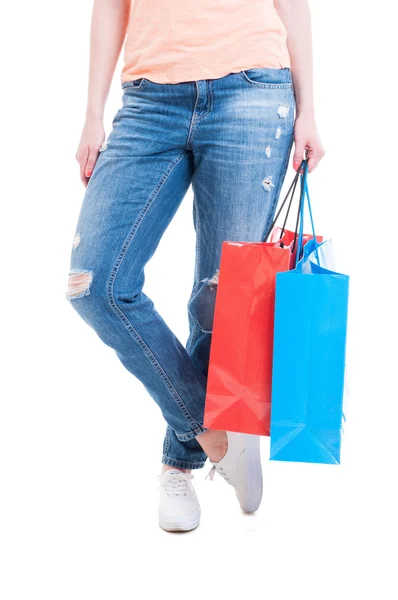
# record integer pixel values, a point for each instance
(291, 192)
(300, 217)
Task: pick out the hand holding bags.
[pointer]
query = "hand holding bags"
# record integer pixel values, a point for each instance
(310, 327)
(238, 394)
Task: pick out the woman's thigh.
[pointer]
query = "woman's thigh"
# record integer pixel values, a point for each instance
(138, 182)
(241, 152)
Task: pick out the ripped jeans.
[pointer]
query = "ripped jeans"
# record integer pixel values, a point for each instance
(231, 138)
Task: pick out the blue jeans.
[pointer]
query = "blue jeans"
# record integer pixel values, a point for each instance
(231, 138)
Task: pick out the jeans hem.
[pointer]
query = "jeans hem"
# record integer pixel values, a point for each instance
(182, 464)
(186, 437)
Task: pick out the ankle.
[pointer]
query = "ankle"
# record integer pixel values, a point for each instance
(214, 443)
(219, 450)
(169, 468)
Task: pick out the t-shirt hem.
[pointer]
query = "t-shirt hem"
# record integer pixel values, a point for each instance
(280, 62)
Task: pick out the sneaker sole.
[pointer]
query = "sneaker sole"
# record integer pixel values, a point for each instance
(186, 524)
(254, 473)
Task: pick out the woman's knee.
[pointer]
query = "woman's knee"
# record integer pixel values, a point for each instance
(87, 294)
(79, 283)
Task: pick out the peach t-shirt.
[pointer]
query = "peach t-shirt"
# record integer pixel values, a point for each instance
(170, 41)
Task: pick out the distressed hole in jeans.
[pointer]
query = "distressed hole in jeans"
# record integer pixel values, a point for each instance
(214, 279)
(76, 240)
(79, 283)
(283, 111)
(267, 183)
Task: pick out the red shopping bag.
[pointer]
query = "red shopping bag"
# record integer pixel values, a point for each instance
(238, 393)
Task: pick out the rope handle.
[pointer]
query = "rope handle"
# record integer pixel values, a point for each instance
(291, 191)
(304, 194)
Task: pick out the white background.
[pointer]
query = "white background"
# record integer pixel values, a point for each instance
(78, 499)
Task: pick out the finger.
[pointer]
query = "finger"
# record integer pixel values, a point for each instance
(92, 158)
(299, 147)
(82, 173)
(314, 160)
(312, 164)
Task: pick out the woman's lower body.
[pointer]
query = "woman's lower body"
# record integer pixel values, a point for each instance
(231, 139)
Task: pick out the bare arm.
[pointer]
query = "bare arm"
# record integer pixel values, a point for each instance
(108, 30)
(295, 15)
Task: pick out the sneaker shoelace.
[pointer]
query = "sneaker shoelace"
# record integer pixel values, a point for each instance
(175, 485)
(220, 470)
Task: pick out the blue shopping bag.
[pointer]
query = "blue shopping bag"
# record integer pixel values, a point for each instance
(310, 326)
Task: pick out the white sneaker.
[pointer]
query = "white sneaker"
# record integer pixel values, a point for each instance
(179, 508)
(241, 468)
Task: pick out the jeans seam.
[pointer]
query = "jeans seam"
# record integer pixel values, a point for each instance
(192, 124)
(197, 270)
(123, 318)
(167, 440)
(196, 330)
(198, 257)
(209, 88)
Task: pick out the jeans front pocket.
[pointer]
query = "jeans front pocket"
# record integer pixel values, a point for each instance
(268, 77)
(135, 84)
